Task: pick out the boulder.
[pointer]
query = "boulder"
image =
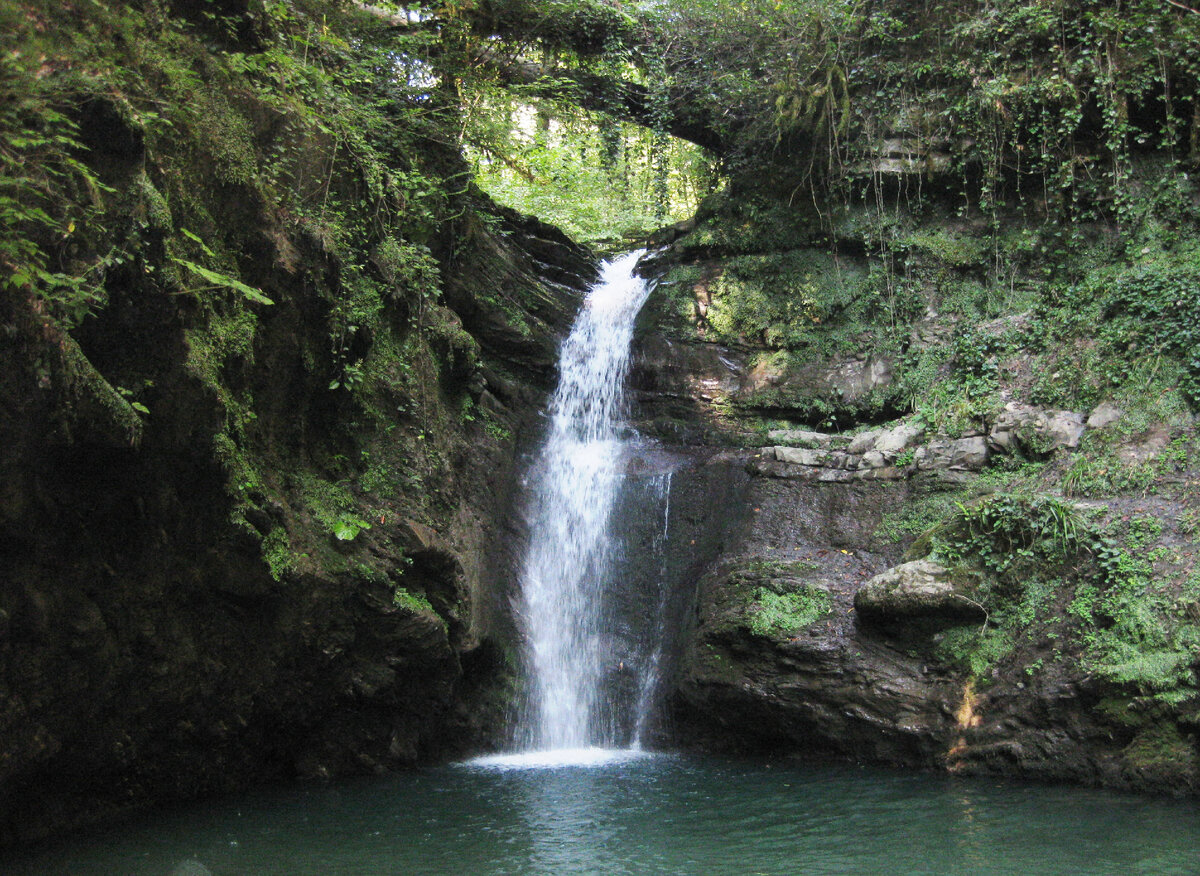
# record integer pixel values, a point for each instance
(964, 454)
(800, 438)
(1035, 430)
(802, 456)
(1065, 429)
(1104, 414)
(873, 459)
(922, 588)
(864, 441)
(892, 442)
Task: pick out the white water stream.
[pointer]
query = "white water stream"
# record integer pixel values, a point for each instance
(565, 610)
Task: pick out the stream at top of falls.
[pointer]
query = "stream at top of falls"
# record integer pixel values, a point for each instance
(577, 794)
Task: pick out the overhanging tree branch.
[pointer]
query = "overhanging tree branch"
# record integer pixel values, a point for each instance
(628, 101)
(502, 30)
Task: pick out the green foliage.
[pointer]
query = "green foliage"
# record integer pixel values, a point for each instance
(333, 505)
(1041, 98)
(775, 614)
(1017, 552)
(1100, 469)
(409, 269)
(224, 339)
(1028, 555)
(1158, 306)
(216, 279)
(1160, 748)
(947, 247)
(277, 552)
(1128, 321)
(1007, 535)
(917, 515)
(495, 430)
(978, 651)
(1116, 328)
(1136, 636)
(417, 603)
(600, 180)
(1189, 523)
(933, 504)
(347, 526)
(751, 219)
(781, 300)
(50, 199)
(955, 387)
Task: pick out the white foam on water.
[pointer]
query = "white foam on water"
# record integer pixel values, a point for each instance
(557, 758)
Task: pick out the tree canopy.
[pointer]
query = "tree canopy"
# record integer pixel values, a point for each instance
(1006, 87)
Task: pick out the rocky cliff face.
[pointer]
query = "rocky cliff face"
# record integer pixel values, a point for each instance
(960, 547)
(811, 636)
(149, 647)
(265, 361)
(252, 465)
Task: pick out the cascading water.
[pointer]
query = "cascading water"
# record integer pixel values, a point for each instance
(571, 556)
(652, 675)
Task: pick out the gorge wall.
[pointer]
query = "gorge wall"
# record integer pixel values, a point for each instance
(925, 375)
(967, 535)
(254, 467)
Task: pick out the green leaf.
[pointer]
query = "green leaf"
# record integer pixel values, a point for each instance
(196, 239)
(347, 528)
(225, 281)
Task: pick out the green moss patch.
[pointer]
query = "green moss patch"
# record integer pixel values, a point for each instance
(773, 615)
(1161, 754)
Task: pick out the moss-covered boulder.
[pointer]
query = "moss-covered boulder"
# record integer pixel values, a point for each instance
(770, 600)
(918, 589)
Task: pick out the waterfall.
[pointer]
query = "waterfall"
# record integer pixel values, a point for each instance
(581, 687)
(652, 674)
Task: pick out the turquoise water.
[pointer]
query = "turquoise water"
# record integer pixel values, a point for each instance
(651, 814)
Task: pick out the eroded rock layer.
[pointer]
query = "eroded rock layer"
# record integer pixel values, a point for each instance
(959, 550)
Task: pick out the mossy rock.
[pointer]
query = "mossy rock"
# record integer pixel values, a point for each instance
(1161, 757)
(919, 589)
(766, 598)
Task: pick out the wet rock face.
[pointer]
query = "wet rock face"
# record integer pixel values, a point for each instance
(906, 665)
(761, 673)
(148, 653)
(808, 635)
(850, 379)
(685, 379)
